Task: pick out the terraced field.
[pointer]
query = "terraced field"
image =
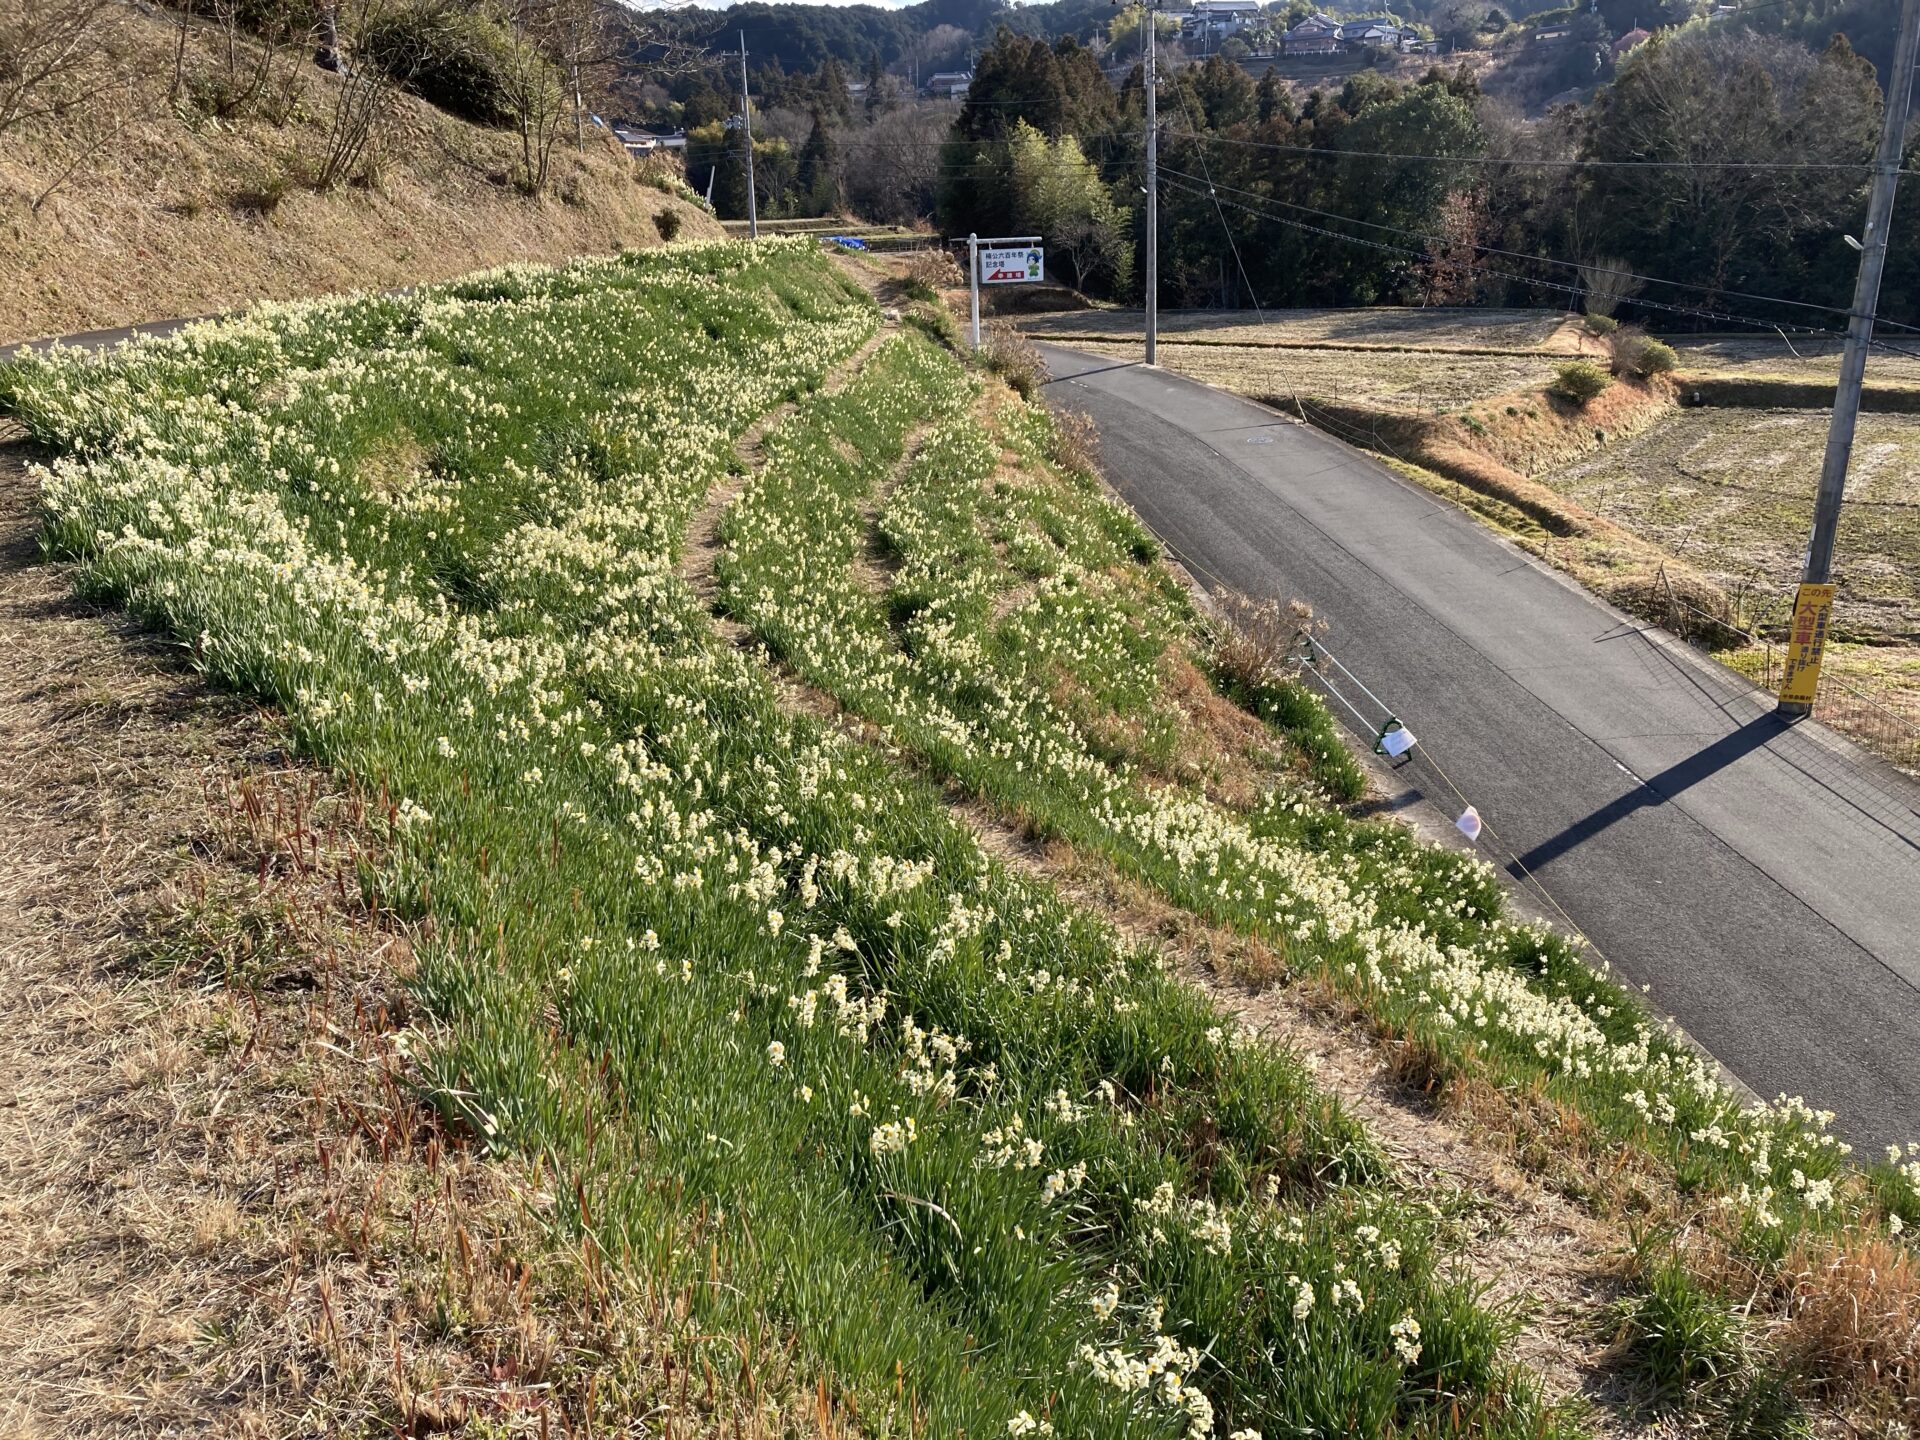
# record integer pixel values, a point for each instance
(1731, 492)
(1388, 379)
(1804, 357)
(729, 668)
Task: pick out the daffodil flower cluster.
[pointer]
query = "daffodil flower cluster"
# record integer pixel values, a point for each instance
(744, 979)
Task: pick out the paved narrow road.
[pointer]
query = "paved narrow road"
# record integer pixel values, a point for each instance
(1764, 879)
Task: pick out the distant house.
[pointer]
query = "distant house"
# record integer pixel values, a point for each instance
(1217, 19)
(1316, 35)
(1367, 32)
(1634, 37)
(1546, 34)
(950, 84)
(647, 142)
(1377, 35)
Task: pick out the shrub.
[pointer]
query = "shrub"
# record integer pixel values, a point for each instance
(1580, 381)
(1639, 355)
(458, 60)
(261, 193)
(1255, 639)
(1252, 648)
(1602, 325)
(1075, 442)
(929, 272)
(667, 222)
(1012, 357)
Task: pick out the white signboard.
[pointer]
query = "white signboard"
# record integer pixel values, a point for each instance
(1012, 267)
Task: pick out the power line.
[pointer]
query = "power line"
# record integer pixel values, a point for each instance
(1573, 265)
(1553, 285)
(1534, 281)
(1575, 164)
(1186, 104)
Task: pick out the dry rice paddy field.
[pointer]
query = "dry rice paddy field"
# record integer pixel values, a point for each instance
(1427, 360)
(1806, 358)
(1731, 492)
(1437, 328)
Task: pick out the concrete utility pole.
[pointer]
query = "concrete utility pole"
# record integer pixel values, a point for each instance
(1153, 190)
(1797, 699)
(746, 127)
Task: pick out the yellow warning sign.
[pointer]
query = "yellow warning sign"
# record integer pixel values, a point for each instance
(1812, 609)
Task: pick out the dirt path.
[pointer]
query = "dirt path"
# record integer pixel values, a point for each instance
(1555, 1263)
(703, 545)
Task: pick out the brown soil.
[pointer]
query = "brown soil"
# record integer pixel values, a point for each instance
(128, 214)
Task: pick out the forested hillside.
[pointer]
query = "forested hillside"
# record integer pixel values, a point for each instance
(1707, 181)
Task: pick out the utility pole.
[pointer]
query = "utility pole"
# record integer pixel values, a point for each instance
(1153, 189)
(1814, 602)
(746, 127)
(973, 285)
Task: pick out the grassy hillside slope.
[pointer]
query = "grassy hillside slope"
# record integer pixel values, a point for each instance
(732, 669)
(147, 207)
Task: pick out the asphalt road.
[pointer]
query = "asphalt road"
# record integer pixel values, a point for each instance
(1764, 879)
(94, 339)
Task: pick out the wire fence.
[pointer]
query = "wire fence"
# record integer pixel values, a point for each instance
(1882, 717)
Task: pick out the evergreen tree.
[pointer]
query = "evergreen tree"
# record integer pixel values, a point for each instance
(818, 179)
(832, 90)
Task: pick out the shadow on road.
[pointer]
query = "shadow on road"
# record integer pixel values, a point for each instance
(1097, 370)
(1656, 790)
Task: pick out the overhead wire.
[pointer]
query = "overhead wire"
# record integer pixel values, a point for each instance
(1692, 312)
(1574, 265)
(1544, 161)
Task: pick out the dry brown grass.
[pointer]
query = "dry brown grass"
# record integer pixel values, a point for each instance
(1076, 442)
(931, 271)
(164, 218)
(1012, 357)
(1253, 639)
(222, 1207)
(1852, 1327)
(1429, 330)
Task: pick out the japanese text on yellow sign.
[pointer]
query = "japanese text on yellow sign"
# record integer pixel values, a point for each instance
(1812, 609)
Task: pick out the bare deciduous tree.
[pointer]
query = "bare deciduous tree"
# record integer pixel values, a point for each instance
(1604, 283)
(53, 57)
(363, 100)
(253, 51)
(892, 167)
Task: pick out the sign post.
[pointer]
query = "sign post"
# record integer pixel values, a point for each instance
(1008, 260)
(973, 283)
(1800, 677)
